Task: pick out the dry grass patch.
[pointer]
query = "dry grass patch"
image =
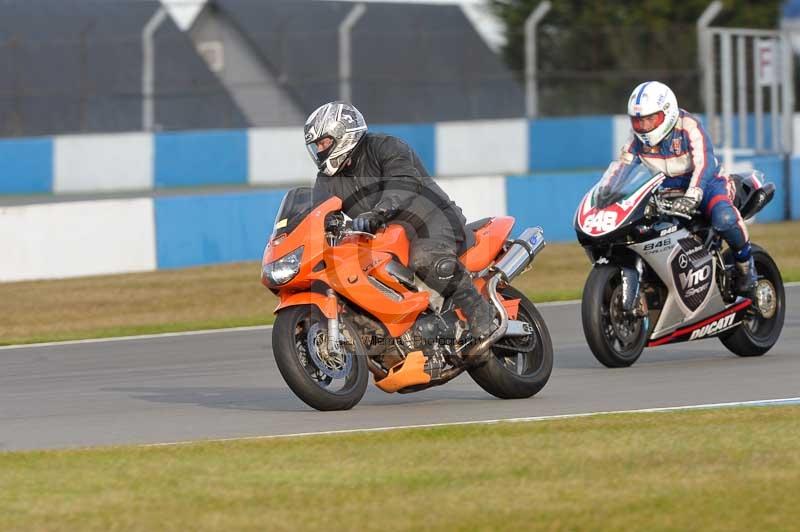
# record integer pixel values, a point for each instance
(169, 300)
(230, 295)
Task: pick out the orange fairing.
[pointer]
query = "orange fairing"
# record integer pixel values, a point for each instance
(354, 269)
(310, 234)
(511, 306)
(409, 372)
(348, 266)
(326, 305)
(393, 238)
(488, 241)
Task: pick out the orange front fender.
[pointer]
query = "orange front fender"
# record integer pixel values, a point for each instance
(326, 305)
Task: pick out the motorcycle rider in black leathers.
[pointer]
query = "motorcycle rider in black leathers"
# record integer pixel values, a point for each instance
(380, 179)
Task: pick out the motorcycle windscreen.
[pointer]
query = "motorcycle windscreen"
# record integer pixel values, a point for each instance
(295, 206)
(620, 180)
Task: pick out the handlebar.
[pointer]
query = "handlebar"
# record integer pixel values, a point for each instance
(664, 206)
(350, 232)
(341, 229)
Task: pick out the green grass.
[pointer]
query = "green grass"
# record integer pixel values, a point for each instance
(731, 469)
(230, 295)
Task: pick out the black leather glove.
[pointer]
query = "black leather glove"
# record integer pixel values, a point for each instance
(368, 222)
(688, 203)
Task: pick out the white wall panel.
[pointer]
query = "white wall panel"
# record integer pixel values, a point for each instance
(482, 147)
(622, 132)
(478, 197)
(796, 134)
(71, 239)
(278, 156)
(92, 163)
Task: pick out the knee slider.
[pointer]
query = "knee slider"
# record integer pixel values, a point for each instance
(724, 219)
(446, 268)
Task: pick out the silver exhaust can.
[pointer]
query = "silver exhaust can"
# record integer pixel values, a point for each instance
(521, 253)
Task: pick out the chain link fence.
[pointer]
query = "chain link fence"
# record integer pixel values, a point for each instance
(93, 83)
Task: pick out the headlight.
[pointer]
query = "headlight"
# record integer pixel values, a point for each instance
(284, 269)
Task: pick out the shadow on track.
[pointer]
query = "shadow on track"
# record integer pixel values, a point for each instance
(282, 400)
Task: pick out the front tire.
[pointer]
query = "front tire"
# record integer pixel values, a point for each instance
(616, 340)
(321, 380)
(520, 367)
(757, 334)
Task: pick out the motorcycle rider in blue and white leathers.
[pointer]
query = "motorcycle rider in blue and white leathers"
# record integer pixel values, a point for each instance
(670, 140)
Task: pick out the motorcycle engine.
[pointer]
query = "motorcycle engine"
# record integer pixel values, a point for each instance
(437, 331)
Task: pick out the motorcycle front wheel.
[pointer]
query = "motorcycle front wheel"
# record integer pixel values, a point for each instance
(322, 379)
(615, 338)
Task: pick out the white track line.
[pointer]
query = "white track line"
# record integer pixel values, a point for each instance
(231, 329)
(140, 337)
(765, 402)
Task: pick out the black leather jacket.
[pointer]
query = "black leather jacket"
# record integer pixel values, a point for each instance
(386, 176)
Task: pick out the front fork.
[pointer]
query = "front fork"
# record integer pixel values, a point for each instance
(334, 335)
(631, 287)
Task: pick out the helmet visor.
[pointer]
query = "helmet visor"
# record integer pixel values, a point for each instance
(319, 156)
(646, 124)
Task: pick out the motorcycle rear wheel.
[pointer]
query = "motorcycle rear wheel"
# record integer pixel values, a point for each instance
(520, 367)
(321, 380)
(756, 335)
(616, 340)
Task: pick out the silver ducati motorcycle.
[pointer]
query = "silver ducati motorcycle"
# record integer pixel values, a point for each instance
(661, 278)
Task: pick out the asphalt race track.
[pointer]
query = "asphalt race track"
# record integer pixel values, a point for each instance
(226, 384)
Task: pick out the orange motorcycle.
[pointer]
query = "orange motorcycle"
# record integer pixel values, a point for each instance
(349, 305)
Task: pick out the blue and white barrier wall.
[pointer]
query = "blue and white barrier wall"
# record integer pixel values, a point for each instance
(276, 156)
(56, 240)
(69, 239)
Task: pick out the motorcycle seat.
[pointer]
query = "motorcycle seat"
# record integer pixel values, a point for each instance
(751, 196)
(472, 227)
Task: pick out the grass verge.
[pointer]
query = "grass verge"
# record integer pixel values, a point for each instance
(230, 295)
(730, 469)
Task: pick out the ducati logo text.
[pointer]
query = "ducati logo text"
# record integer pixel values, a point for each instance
(713, 327)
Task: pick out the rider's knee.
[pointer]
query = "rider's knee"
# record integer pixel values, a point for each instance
(446, 267)
(724, 218)
(441, 273)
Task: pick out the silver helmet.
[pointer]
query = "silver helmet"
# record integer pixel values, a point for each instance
(344, 125)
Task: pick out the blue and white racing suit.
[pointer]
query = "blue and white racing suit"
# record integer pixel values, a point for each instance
(686, 157)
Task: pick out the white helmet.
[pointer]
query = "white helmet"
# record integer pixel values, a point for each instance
(652, 98)
(343, 124)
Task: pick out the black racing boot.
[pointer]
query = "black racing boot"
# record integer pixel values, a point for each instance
(479, 312)
(746, 279)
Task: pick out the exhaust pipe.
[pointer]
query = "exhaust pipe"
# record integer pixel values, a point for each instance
(521, 253)
(481, 349)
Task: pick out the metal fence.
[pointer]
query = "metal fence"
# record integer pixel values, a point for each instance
(94, 83)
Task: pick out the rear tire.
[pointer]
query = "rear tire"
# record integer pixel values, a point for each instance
(603, 320)
(757, 335)
(519, 367)
(345, 382)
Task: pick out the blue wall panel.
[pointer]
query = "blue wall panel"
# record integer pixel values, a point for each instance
(548, 200)
(751, 132)
(571, 142)
(26, 166)
(795, 169)
(421, 137)
(200, 158)
(194, 230)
